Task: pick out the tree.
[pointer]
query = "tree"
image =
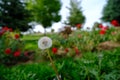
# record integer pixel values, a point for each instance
(14, 14)
(45, 12)
(111, 11)
(76, 16)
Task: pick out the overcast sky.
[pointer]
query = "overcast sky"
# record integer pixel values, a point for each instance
(92, 10)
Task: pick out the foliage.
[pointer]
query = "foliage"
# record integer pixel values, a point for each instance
(103, 65)
(45, 12)
(111, 11)
(66, 31)
(78, 60)
(76, 16)
(83, 40)
(14, 14)
(27, 72)
(11, 47)
(76, 57)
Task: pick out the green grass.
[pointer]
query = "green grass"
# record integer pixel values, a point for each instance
(31, 41)
(31, 37)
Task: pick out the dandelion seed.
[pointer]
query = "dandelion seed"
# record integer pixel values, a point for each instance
(44, 43)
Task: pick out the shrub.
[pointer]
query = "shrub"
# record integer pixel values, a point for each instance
(11, 47)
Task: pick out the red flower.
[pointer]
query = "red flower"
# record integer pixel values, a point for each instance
(8, 51)
(77, 51)
(100, 26)
(17, 36)
(115, 23)
(26, 53)
(78, 25)
(5, 28)
(17, 53)
(54, 50)
(66, 50)
(102, 32)
(104, 28)
(10, 29)
(1, 32)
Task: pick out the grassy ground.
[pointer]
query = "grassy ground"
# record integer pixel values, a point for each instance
(31, 41)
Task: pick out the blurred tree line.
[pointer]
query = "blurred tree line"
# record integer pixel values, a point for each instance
(17, 14)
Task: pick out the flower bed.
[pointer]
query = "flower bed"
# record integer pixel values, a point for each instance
(11, 47)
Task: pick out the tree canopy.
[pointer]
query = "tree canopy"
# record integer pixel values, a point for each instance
(13, 13)
(45, 12)
(111, 11)
(76, 15)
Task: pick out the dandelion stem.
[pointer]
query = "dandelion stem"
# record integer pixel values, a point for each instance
(53, 65)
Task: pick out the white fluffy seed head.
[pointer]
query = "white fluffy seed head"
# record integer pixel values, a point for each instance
(44, 43)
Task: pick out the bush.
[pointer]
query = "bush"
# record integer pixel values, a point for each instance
(11, 47)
